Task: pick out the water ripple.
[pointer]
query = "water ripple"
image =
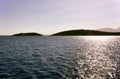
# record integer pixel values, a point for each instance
(60, 57)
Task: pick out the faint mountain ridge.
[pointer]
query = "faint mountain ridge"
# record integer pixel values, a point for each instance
(118, 29)
(110, 29)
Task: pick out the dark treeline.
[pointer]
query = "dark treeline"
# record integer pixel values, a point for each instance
(72, 33)
(84, 32)
(27, 34)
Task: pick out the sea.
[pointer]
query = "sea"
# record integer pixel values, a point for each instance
(59, 57)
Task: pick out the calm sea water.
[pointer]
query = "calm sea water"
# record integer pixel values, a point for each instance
(75, 57)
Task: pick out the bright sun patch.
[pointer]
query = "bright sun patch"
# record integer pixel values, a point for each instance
(98, 37)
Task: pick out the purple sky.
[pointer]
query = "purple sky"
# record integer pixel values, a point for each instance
(51, 16)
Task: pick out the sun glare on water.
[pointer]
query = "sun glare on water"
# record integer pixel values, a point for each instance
(98, 38)
(97, 57)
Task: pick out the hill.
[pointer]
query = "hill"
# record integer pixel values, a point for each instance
(84, 32)
(28, 34)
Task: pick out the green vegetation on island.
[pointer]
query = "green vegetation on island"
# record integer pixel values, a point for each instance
(28, 34)
(84, 33)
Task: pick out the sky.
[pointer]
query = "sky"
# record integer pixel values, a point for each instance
(52, 16)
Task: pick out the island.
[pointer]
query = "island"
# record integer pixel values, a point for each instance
(28, 34)
(84, 33)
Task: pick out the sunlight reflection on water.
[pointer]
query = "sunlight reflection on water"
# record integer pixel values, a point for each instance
(97, 38)
(97, 63)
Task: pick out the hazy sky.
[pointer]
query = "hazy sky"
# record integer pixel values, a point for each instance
(51, 16)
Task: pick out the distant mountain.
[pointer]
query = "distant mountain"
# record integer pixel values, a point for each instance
(84, 32)
(28, 34)
(118, 29)
(110, 29)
